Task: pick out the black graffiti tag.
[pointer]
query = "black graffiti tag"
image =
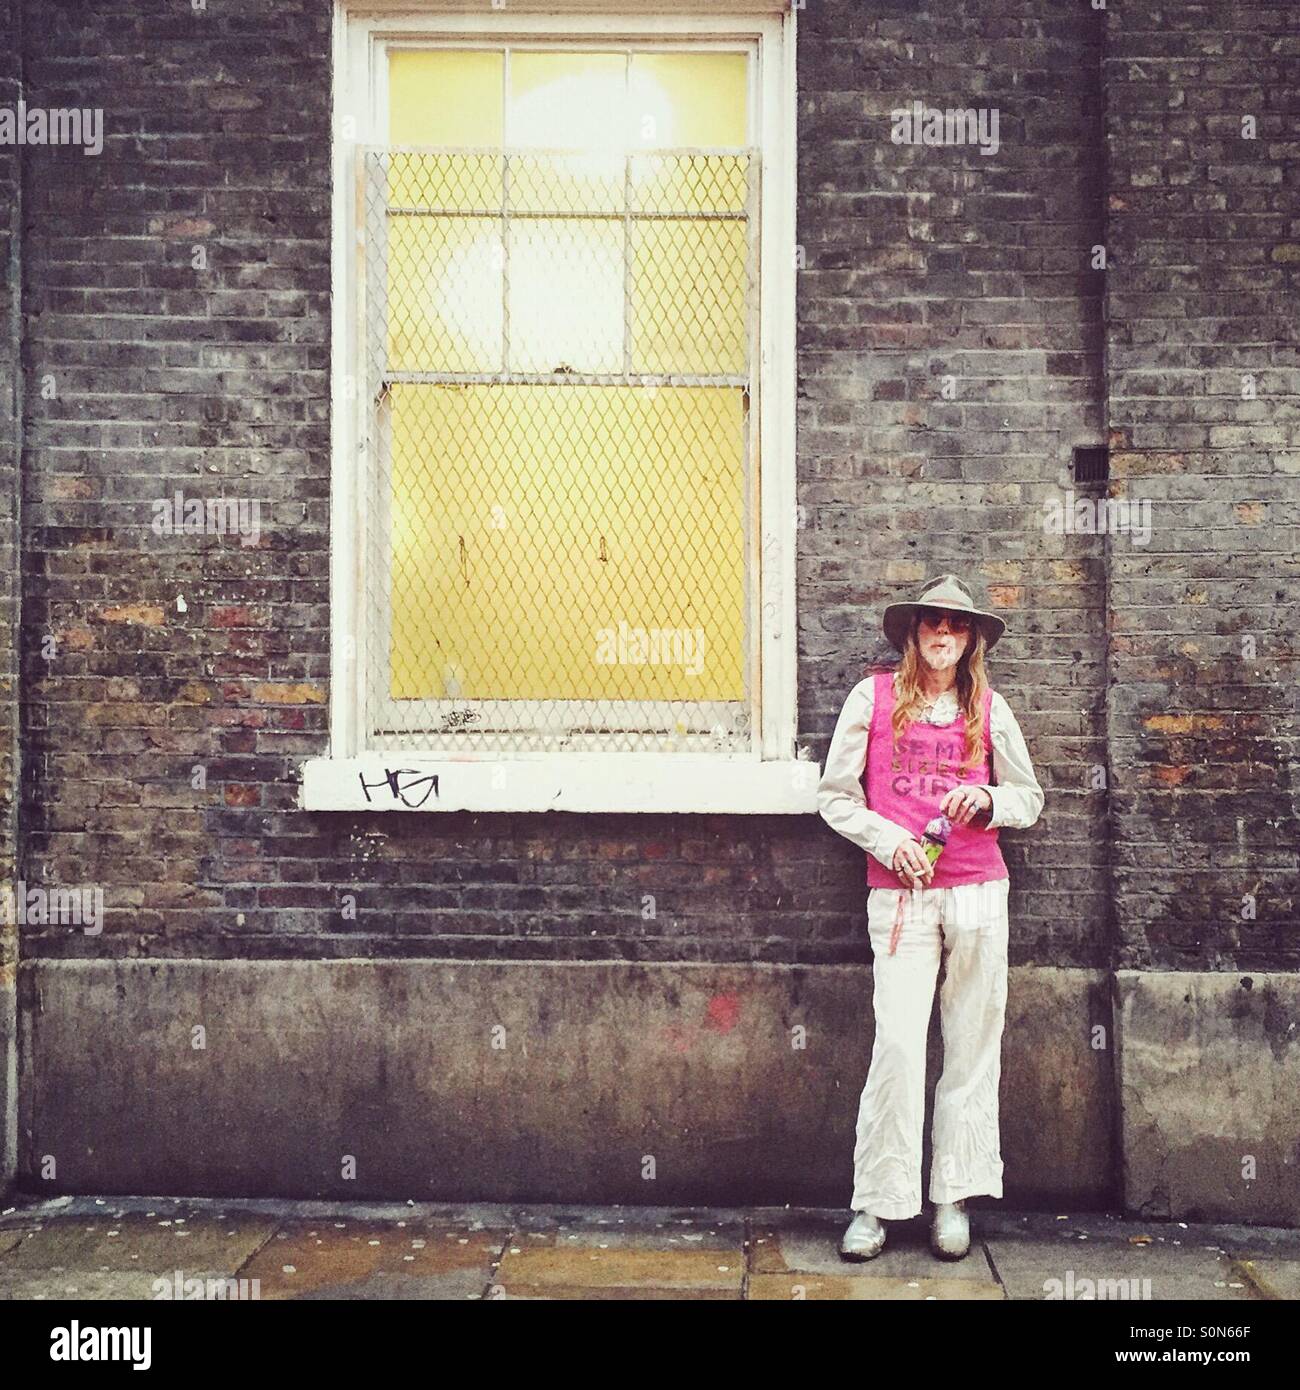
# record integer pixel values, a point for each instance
(401, 780)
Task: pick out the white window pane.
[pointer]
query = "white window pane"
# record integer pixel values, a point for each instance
(566, 296)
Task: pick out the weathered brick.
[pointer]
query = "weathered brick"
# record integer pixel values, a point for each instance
(926, 269)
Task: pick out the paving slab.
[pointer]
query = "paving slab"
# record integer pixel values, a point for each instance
(611, 1293)
(1235, 1238)
(382, 1286)
(136, 1243)
(638, 1233)
(43, 1284)
(100, 1252)
(1271, 1278)
(117, 1248)
(797, 1287)
(1114, 1268)
(345, 1258)
(8, 1239)
(810, 1245)
(628, 1259)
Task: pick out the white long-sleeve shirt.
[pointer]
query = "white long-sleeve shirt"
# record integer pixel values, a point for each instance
(1017, 797)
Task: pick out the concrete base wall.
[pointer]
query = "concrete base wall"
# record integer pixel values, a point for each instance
(601, 1082)
(611, 1082)
(1211, 1095)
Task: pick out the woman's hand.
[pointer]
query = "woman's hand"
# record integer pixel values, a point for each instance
(963, 804)
(911, 864)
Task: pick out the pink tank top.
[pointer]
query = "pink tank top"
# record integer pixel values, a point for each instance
(906, 784)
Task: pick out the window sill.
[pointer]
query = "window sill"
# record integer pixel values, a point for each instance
(615, 782)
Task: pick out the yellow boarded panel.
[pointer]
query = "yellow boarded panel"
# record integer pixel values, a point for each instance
(566, 542)
(446, 312)
(567, 101)
(688, 297)
(566, 296)
(445, 96)
(690, 182)
(688, 99)
(536, 531)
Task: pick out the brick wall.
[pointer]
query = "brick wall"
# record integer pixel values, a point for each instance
(1204, 381)
(178, 301)
(950, 355)
(207, 373)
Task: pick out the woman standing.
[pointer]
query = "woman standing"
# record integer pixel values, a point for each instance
(931, 740)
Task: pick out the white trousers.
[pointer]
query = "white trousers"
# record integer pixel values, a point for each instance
(967, 926)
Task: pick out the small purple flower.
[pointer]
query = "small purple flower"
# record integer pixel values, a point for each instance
(938, 830)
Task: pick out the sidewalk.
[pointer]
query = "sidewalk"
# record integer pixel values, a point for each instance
(148, 1248)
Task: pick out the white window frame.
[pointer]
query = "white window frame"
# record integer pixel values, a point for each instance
(774, 777)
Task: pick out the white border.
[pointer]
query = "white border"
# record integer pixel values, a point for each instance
(773, 780)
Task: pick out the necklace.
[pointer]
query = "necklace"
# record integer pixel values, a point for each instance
(931, 707)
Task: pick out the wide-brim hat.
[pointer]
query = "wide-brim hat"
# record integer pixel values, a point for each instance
(947, 591)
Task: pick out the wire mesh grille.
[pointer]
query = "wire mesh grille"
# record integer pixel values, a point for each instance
(560, 449)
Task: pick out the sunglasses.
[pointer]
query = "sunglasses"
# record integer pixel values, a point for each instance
(958, 622)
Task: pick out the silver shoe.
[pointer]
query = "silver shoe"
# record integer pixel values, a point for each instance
(864, 1239)
(950, 1231)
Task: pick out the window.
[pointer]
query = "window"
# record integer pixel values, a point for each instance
(563, 403)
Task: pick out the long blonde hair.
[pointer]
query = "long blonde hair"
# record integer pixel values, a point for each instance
(972, 682)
